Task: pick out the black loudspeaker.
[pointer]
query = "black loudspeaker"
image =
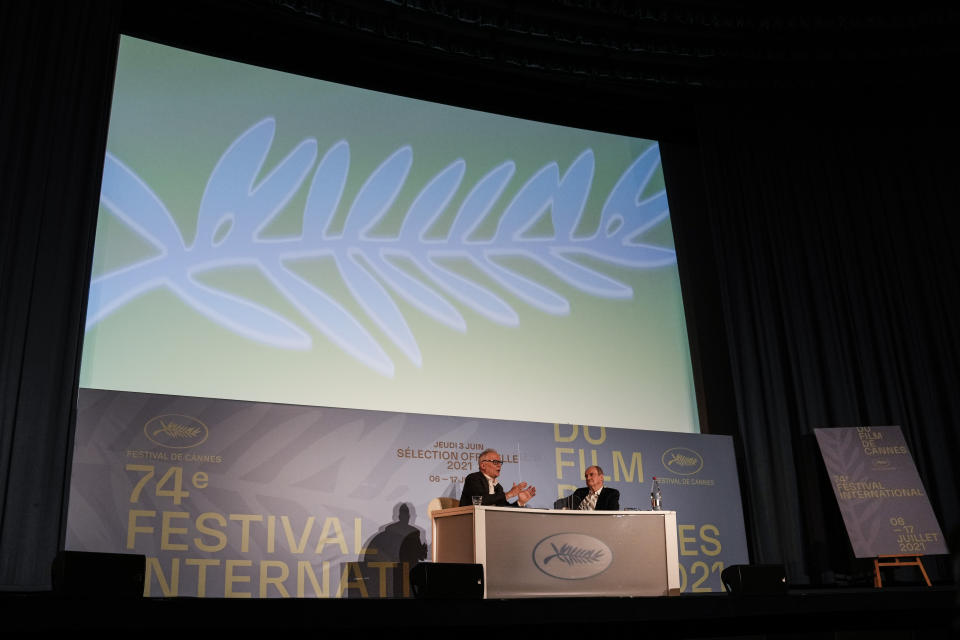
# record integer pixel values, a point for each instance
(92, 575)
(447, 580)
(754, 579)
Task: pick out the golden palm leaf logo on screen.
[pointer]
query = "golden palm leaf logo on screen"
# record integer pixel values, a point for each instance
(535, 245)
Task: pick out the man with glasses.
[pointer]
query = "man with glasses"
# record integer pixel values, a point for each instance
(484, 483)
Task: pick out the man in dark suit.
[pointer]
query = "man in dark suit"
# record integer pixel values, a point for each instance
(606, 499)
(484, 483)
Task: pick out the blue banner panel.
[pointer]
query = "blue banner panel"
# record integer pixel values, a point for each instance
(232, 498)
(882, 500)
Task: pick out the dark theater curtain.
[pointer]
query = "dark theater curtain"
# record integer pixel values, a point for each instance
(837, 269)
(55, 80)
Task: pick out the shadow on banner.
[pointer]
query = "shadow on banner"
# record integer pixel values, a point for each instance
(383, 569)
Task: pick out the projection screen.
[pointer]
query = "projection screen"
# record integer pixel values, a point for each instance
(271, 237)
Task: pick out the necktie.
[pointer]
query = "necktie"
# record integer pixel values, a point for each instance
(589, 502)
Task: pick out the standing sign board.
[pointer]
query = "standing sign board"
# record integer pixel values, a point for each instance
(882, 500)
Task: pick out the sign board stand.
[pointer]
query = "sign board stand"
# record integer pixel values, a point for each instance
(885, 561)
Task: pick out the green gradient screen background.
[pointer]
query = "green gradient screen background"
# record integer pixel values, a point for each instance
(611, 362)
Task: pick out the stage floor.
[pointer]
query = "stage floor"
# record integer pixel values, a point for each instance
(917, 613)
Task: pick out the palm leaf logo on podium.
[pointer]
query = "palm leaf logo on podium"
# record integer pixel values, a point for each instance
(573, 555)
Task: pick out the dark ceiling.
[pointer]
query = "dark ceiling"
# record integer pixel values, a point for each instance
(587, 62)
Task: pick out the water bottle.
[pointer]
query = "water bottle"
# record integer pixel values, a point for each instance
(655, 495)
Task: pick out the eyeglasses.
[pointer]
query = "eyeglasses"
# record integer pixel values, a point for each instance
(499, 463)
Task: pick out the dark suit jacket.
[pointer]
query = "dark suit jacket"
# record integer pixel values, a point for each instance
(475, 484)
(608, 500)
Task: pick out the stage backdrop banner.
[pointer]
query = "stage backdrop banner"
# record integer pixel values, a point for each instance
(882, 500)
(246, 499)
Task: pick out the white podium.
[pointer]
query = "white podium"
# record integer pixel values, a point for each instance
(535, 553)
